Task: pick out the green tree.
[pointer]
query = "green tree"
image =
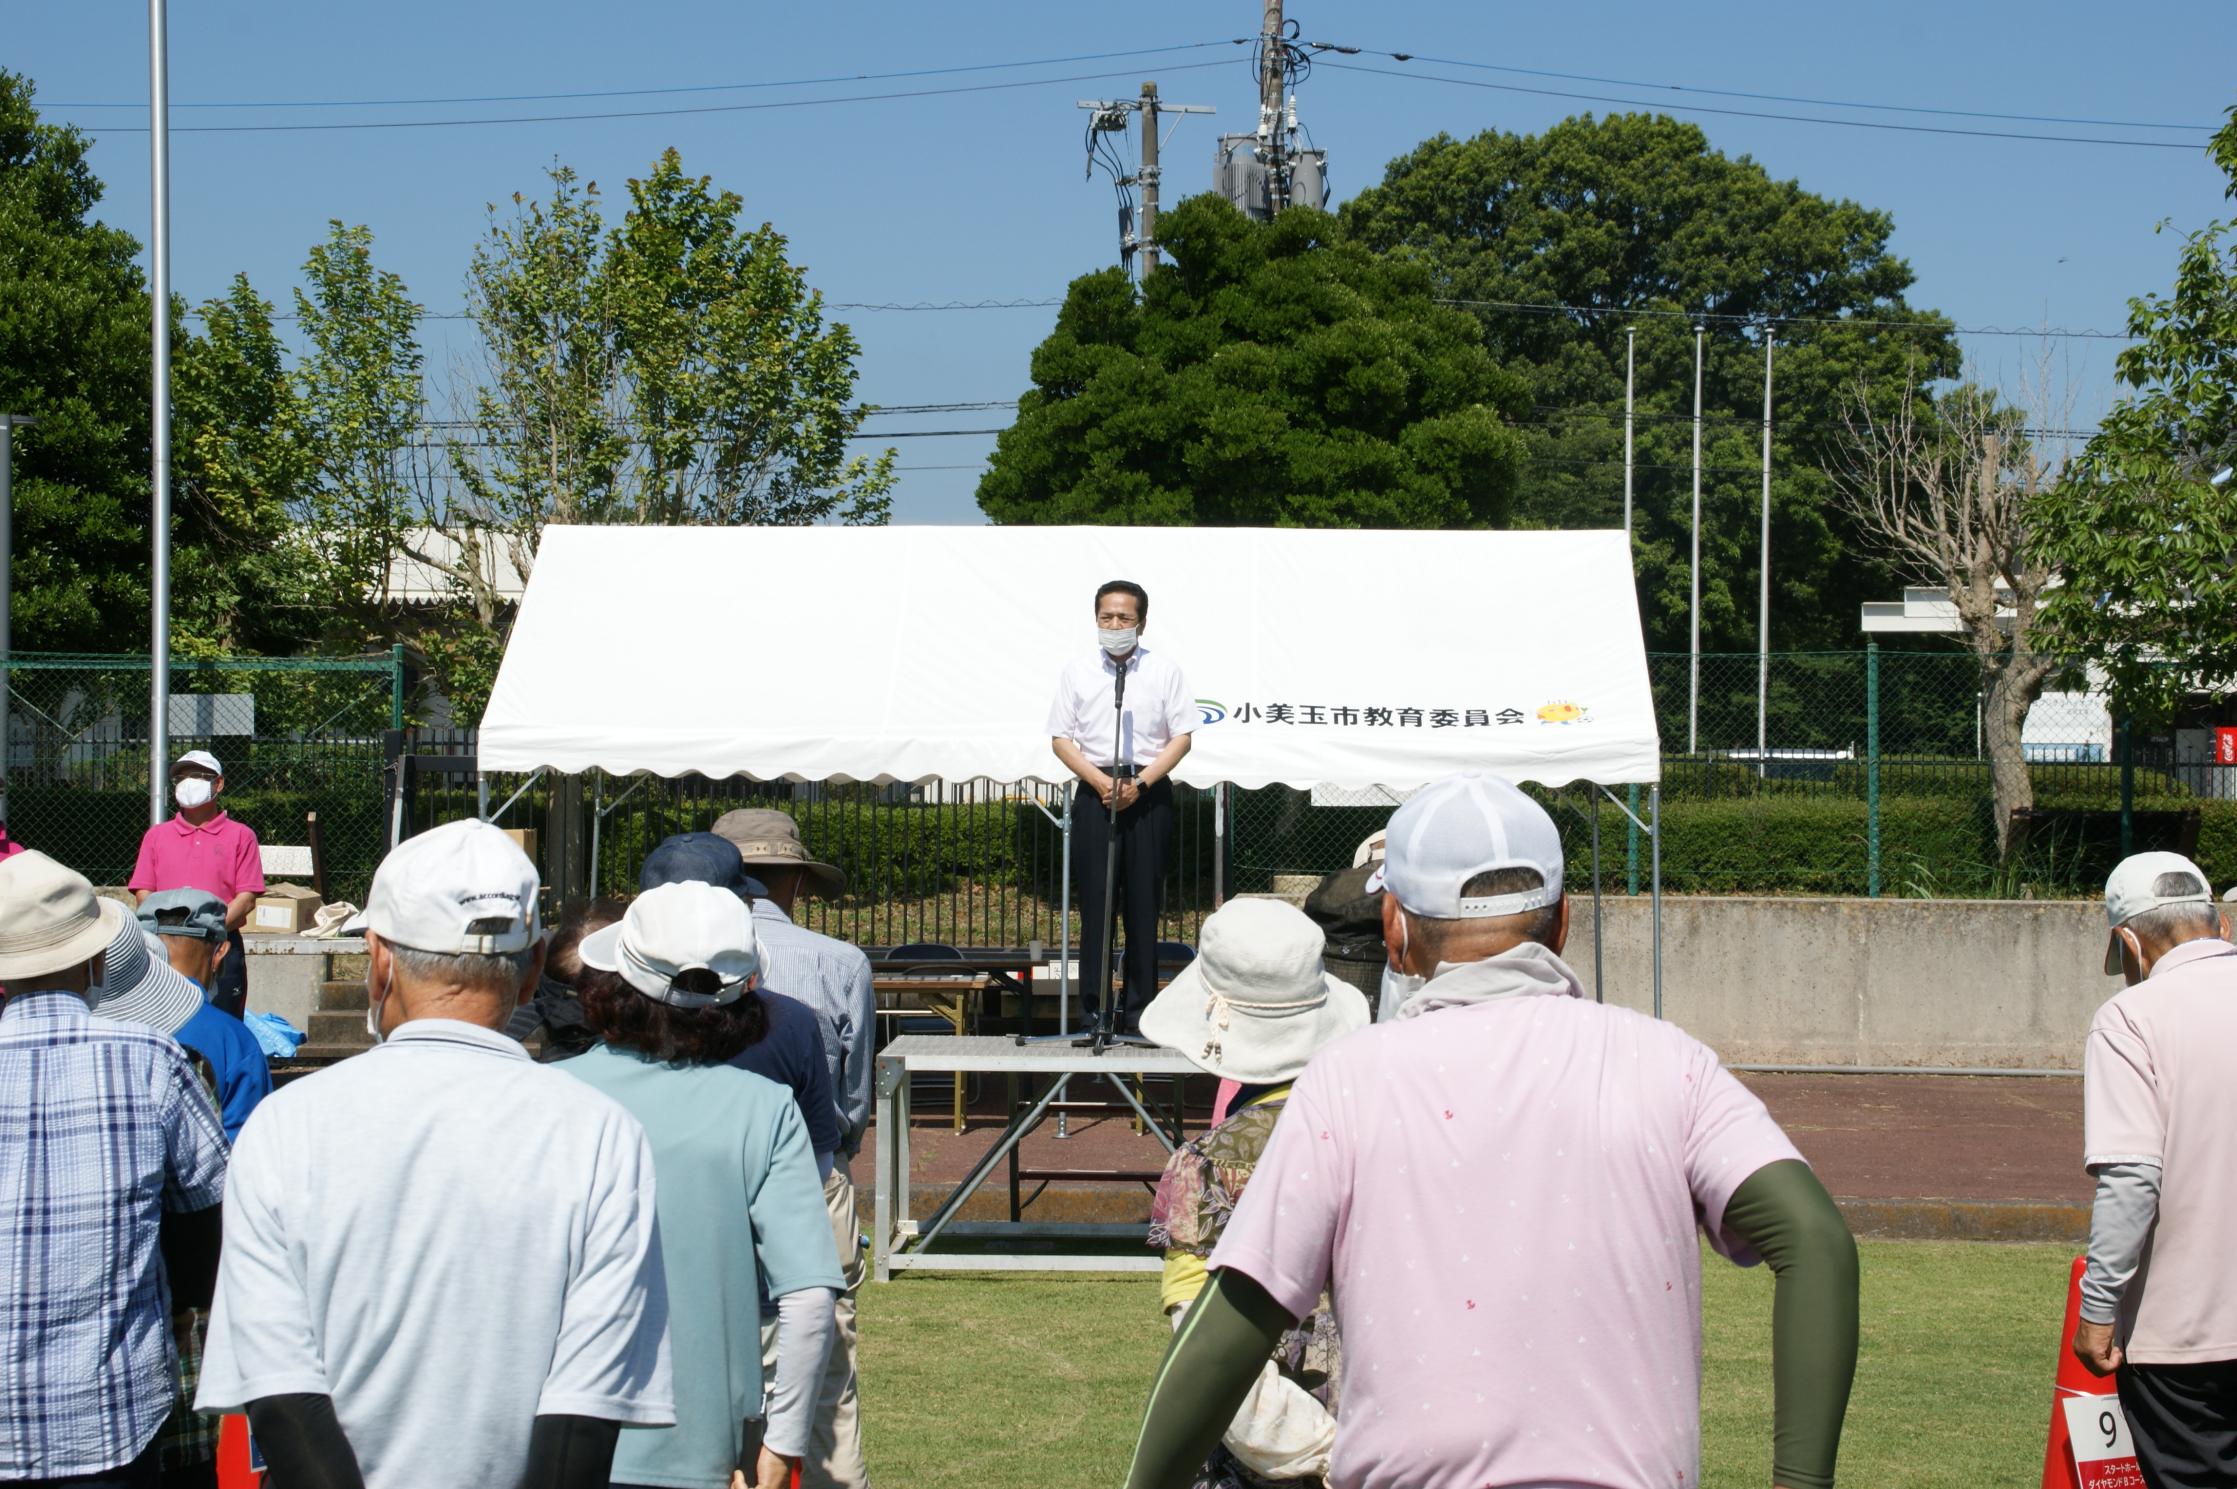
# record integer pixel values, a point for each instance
(1636, 213)
(2144, 535)
(74, 356)
(1274, 374)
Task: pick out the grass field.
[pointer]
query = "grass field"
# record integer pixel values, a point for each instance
(1036, 1382)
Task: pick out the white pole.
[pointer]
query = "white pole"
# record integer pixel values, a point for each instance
(1630, 348)
(159, 426)
(1763, 596)
(1693, 686)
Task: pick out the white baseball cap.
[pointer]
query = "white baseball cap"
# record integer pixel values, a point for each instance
(202, 758)
(460, 889)
(676, 928)
(2133, 888)
(1456, 828)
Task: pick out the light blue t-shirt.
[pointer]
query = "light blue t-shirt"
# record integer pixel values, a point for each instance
(739, 1202)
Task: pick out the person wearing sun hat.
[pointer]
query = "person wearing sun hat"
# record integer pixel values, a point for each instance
(113, 1180)
(669, 991)
(140, 986)
(1512, 1181)
(1253, 1008)
(442, 1259)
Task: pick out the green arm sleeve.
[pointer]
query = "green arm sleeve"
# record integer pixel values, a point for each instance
(1215, 1356)
(1787, 1218)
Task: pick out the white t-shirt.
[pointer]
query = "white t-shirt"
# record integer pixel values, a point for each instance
(450, 1240)
(1157, 707)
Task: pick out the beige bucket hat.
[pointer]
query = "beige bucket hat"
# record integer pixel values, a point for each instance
(50, 918)
(1255, 1005)
(771, 838)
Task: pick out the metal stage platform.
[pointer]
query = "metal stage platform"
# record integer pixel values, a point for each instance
(901, 1243)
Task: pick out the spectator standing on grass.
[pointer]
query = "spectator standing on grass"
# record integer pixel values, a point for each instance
(143, 989)
(1502, 1190)
(833, 980)
(2159, 1133)
(112, 1170)
(1252, 1008)
(792, 1053)
(442, 1263)
(670, 993)
(201, 847)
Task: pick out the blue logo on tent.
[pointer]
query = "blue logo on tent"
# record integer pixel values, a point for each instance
(1208, 712)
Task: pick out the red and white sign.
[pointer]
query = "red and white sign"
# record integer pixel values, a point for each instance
(2225, 746)
(2103, 1455)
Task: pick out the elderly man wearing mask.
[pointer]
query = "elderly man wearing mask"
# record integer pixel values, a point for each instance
(1510, 1181)
(202, 847)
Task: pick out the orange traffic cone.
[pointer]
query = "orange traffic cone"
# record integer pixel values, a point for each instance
(2074, 1380)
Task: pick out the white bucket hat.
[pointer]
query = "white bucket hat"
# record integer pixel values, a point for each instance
(50, 918)
(676, 928)
(138, 985)
(1255, 1005)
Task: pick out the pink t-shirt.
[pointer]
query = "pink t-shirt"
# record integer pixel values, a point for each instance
(1504, 1198)
(2159, 1085)
(219, 856)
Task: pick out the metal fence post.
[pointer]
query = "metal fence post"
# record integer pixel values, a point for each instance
(1631, 842)
(2127, 786)
(1872, 769)
(396, 686)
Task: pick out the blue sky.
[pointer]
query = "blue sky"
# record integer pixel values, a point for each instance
(975, 196)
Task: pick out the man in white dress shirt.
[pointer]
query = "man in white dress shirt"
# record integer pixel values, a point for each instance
(1128, 754)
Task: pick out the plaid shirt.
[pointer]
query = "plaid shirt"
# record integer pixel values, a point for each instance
(103, 1127)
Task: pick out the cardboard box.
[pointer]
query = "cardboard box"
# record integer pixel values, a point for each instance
(526, 837)
(284, 910)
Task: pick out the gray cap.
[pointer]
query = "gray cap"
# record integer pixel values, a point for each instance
(184, 912)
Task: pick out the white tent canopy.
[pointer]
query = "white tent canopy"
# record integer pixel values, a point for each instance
(904, 653)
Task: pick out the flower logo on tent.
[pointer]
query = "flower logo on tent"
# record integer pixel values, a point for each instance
(1563, 713)
(1209, 712)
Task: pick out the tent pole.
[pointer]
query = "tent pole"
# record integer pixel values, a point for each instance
(1064, 940)
(1654, 832)
(1599, 954)
(1219, 845)
(597, 821)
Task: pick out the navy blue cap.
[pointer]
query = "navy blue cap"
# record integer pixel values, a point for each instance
(699, 858)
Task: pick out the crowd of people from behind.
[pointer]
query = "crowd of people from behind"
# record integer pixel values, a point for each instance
(1457, 1245)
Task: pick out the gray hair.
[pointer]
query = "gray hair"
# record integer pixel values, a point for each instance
(2171, 925)
(483, 973)
(1531, 925)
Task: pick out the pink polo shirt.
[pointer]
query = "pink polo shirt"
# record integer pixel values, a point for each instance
(2159, 1085)
(219, 856)
(1504, 1199)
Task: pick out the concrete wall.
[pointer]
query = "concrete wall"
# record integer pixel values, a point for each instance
(2009, 984)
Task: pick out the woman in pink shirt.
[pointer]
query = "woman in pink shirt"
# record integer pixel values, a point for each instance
(201, 847)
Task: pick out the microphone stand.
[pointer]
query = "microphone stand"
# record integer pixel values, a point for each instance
(1106, 1024)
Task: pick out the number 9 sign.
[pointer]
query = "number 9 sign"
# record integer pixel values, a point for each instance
(2103, 1456)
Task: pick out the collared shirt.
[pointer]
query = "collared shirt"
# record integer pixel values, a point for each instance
(1503, 1197)
(1158, 707)
(833, 980)
(103, 1128)
(220, 856)
(450, 1240)
(2159, 1085)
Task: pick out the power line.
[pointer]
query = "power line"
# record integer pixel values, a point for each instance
(1723, 318)
(1830, 103)
(708, 108)
(1702, 108)
(852, 77)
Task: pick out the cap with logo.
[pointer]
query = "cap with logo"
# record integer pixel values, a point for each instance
(767, 837)
(198, 760)
(1463, 825)
(184, 912)
(2133, 888)
(671, 929)
(461, 889)
(50, 918)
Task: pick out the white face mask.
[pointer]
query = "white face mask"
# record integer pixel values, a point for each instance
(1397, 986)
(1117, 643)
(194, 791)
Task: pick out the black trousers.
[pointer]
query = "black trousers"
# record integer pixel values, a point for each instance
(140, 1473)
(2183, 1419)
(1145, 834)
(231, 995)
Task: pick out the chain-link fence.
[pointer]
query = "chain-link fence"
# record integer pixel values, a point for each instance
(1867, 774)
(296, 736)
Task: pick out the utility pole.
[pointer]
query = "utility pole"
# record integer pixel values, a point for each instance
(1693, 610)
(1630, 355)
(9, 424)
(1148, 174)
(1763, 596)
(1272, 72)
(159, 427)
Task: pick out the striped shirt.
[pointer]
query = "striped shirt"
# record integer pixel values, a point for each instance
(103, 1128)
(833, 979)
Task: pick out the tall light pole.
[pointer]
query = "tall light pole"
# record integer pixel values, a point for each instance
(1630, 350)
(159, 425)
(1693, 687)
(9, 424)
(1763, 581)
